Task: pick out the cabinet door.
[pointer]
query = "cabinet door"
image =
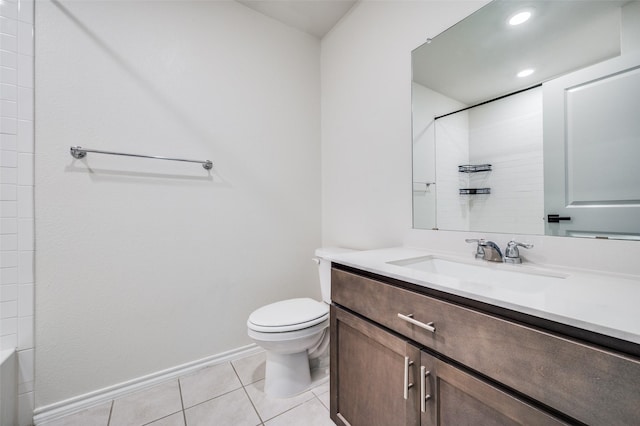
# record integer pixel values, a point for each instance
(455, 397)
(373, 374)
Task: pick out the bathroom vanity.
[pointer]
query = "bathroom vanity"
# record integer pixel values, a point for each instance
(417, 348)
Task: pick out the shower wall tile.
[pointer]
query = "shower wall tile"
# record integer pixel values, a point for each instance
(8, 158)
(8, 293)
(8, 26)
(8, 326)
(8, 92)
(8, 192)
(8, 242)
(17, 193)
(8, 143)
(9, 341)
(9, 9)
(9, 276)
(8, 309)
(9, 125)
(25, 300)
(25, 408)
(8, 42)
(8, 59)
(25, 366)
(8, 175)
(25, 103)
(25, 71)
(25, 234)
(8, 108)
(25, 38)
(25, 332)
(25, 136)
(25, 201)
(9, 75)
(8, 226)
(25, 267)
(25, 11)
(8, 209)
(8, 259)
(25, 168)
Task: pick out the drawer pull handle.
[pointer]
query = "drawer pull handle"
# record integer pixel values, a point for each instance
(407, 385)
(341, 417)
(408, 318)
(424, 397)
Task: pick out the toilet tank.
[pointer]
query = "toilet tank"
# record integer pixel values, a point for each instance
(323, 258)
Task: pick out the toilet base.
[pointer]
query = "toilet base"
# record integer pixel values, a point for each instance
(286, 375)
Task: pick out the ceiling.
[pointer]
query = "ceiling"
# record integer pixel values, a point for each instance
(315, 17)
(478, 58)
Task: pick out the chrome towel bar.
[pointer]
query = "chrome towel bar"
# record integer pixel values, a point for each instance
(79, 152)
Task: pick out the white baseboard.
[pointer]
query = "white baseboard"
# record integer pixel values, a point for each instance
(82, 402)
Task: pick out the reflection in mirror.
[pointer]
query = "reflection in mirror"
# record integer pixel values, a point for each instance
(470, 108)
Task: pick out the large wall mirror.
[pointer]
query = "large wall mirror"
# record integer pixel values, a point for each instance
(526, 120)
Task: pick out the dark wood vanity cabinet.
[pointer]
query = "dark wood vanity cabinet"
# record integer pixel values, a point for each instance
(370, 363)
(478, 369)
(381, 378)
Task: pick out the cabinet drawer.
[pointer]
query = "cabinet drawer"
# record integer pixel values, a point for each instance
(592, 385)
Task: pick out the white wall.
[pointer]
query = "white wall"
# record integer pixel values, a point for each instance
(16, 194)
(143, 265)
(366, 117)
(441, 159)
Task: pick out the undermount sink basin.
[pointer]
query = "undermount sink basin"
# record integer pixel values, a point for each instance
(482, 272)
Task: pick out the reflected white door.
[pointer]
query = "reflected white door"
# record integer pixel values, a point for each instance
(592, 150)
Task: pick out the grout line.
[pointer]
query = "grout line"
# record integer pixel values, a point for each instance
(247, 394)
(110, 412)
(253, 405)
(184, 413)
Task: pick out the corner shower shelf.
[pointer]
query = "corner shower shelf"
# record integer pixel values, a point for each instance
(474, 168)
(473, 191)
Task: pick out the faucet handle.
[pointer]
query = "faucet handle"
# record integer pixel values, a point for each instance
(480, 248)
(512, 254)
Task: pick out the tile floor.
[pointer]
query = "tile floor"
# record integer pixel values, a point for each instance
(225, 394)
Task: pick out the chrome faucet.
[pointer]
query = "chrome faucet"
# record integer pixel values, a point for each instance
(512, 254)
(487, 250)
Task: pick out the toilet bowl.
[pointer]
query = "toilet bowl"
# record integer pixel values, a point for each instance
(293, 332)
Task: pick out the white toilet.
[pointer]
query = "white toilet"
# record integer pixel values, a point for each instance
(292, 332)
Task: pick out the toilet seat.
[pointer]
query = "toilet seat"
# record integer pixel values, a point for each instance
(288, 315)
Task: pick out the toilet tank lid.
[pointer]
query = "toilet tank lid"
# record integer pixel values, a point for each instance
(332, 251)
(289, 312)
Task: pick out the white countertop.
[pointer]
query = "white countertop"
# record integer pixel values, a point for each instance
(604, 303)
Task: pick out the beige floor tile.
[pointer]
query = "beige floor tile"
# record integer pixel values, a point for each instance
(270, 407)
(208, 383)
(176, 419)
(320, 389)
(325, 398)
(311, 413)
(146, 406)
(251, 368)
(94, 416)
(233, 408)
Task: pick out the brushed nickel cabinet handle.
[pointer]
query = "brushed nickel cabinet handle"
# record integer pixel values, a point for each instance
(407, 384)
(408, 318)
(424, 396)
(341, 417)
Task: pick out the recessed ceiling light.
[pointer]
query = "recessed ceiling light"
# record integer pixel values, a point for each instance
(519, 18)
(525, 73)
